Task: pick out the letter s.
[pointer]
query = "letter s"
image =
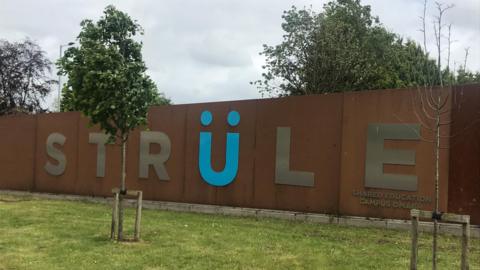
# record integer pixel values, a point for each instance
(56, 154)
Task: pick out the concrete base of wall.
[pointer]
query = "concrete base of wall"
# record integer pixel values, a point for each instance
(445, 228)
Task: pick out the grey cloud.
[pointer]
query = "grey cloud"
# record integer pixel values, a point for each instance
(403, 17)
(465, 15)
(222, 49)
(208, 50)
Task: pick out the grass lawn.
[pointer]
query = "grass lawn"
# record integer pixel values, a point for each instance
(47, 234)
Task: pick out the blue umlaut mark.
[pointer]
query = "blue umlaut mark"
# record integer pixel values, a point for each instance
(227, 175)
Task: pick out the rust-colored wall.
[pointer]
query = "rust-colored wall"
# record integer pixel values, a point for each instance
(254, 185)
(87, 182)
(17, 152)
(328, 138)
(66, 124)
(315, 123)
(240, 192)
(170, 120)
(386, 106)
(464, 183)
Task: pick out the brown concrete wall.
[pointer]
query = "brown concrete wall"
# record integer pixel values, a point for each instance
(17, 152)
(328, 138)
(66, 124)
(170, 120)
(238, 193)
(254, 185)
(464, 185)
(386, 106)
(88, 183)
(315, 123)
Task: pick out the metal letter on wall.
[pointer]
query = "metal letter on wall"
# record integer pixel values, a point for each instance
(157, 160)
(100, 139)
(232, 152)
(59, 169)
(283, 174)
(377, 155)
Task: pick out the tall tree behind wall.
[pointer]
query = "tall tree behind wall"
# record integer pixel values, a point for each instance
(344, 48)
(24, 77)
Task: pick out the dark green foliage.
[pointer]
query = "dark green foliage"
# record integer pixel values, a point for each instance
(465, 76)
(343, 48)
(24, 77)
(106, 74)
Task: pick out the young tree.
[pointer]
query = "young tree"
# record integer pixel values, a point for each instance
(107, 81)
(437, 30)
(433, 107)
(343, 48)
(24, 77)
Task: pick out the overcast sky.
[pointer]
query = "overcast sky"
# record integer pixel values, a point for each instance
(207, 50)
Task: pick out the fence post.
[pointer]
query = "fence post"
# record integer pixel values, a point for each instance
(138, 216)
(414, 250)
(114, 216)
(465, 243)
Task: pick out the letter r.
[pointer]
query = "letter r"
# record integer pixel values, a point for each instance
(157, 160)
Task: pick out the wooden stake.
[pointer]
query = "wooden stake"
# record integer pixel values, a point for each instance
(414, 254)
(114, 217)
(448, 217)
(465, 243)
(138, 217)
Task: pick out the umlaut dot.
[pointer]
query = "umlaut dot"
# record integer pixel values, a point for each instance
(233, 118)
(206, 118)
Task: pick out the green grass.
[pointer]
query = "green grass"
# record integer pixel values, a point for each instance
(47, 234)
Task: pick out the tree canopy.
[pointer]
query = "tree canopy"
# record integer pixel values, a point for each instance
(107, 78)
(342, 48)
(24, 77)
(465, 76)
(107, 81)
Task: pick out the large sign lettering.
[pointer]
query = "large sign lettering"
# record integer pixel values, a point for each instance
(156, 160)
(283, 174)
(100, 139)
(376, 155)
(227, 175)
(56, 154)
(346, 153)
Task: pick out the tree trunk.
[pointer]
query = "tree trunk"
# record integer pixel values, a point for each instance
(435, 233)
(122, 190)
(437, 181)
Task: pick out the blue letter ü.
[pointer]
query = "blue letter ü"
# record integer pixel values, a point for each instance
(227, 175)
